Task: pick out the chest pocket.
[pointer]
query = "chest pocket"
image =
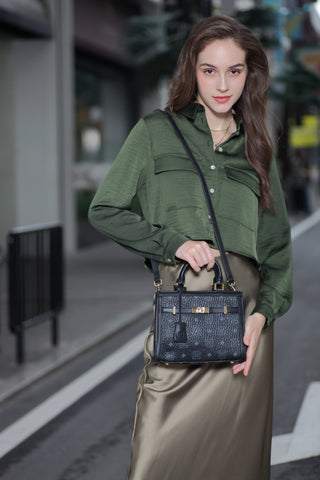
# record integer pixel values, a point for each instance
(176, 182)
(172, 162)
(241, 192)
(247, 178)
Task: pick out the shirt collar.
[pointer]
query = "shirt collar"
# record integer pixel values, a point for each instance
(191, 110)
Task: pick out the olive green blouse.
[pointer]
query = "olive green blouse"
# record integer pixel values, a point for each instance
(151, 201)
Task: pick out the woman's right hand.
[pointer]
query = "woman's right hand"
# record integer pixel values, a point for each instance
(197, 254)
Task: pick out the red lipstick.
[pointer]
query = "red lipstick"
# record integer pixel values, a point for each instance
(222, 99)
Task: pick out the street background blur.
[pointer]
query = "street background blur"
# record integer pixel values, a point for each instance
(75, 76)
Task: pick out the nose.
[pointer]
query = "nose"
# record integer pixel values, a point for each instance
(222, 85)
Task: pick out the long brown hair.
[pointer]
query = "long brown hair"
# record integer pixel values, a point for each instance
(252, 104)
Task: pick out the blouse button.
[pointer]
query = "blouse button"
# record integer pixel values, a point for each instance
(220, 149)
(213, 167)
(211, 190)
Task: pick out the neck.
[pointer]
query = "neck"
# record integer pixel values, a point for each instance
(220, 127)
(218, 122)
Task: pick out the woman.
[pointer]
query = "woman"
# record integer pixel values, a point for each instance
(206, 422)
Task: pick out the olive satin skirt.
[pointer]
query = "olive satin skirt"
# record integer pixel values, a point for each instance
(204, 422)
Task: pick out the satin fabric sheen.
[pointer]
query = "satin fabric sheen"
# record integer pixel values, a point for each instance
(204, 422)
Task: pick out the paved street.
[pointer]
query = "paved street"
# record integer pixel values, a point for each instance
(90, 436)
(91, 439)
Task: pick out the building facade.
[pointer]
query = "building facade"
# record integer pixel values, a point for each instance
(65, 107)
(36, 89)
(68, 101)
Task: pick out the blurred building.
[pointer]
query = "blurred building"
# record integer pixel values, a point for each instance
(66, 106)
(36, 83)
(68, 102)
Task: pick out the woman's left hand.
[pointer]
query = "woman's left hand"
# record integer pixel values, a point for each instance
(253, 328)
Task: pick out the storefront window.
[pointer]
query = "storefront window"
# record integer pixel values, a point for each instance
(101, 122)
(101, 117)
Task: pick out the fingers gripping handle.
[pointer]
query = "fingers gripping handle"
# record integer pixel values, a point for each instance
(217, 280)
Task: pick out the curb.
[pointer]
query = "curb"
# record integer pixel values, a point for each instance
(66, 352)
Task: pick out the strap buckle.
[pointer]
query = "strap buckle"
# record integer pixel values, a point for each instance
(233, 286)
(157, 285)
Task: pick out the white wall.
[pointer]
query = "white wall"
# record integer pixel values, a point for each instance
(36, 157)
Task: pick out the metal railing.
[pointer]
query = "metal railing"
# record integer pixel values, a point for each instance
(35, 280)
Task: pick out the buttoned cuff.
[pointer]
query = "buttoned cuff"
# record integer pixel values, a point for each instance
(175, 242)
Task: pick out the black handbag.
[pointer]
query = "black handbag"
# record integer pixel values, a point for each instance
(195, 327)
(199, 327)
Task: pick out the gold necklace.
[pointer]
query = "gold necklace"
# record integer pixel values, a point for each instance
(216, 144)
(225, 129)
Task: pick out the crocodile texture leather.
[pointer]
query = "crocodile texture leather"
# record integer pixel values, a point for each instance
(210, 329)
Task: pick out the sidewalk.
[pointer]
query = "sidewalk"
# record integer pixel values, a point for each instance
(106, 288)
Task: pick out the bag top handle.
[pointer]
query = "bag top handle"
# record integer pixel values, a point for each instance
(217, 279)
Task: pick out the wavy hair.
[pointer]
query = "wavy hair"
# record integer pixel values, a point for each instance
(251, 106)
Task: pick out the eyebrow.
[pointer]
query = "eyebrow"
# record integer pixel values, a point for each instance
(212, 66)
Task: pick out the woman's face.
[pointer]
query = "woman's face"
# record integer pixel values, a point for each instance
(221, 73)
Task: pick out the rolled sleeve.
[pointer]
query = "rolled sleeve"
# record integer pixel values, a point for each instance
(275, 257)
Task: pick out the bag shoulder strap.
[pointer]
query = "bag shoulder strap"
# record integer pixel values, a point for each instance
(214, 222)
